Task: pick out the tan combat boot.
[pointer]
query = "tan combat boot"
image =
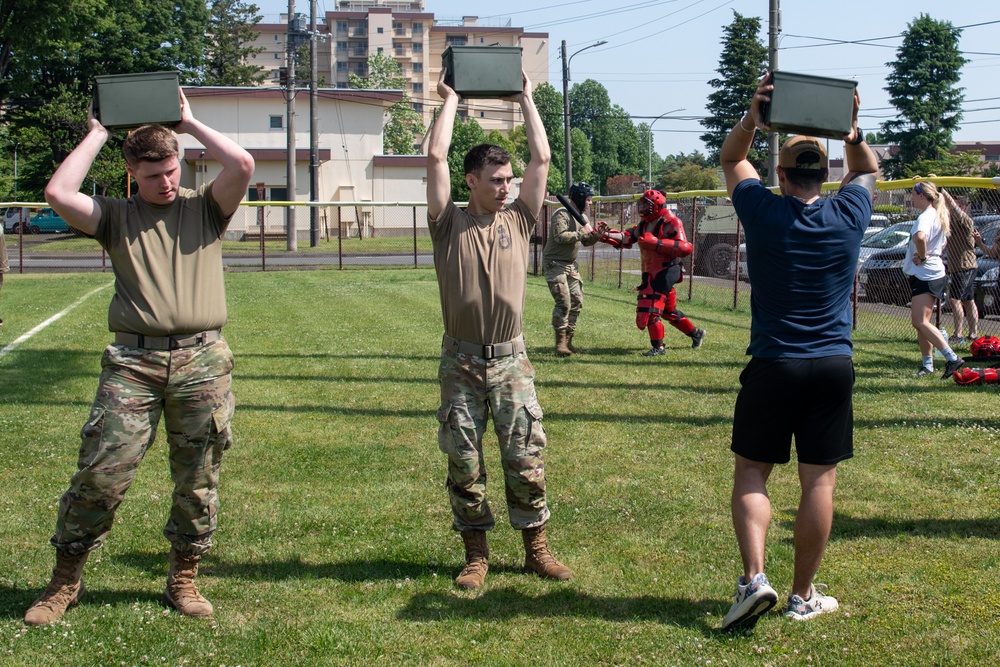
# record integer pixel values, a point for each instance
(181, 593)
(538, 558)
(569, 343)
(62, 592)
(561, 347)
(477, 556)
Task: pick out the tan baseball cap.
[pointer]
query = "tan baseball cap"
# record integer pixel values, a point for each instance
(803, 152)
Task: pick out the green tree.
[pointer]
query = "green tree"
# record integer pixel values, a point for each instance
(404, 124)
(591, 111)
(967, 163)
(549, 103)
(741, 63)
(583, 160)
(230, 45)
(687, 172)
(47, 85)
(923, 86)
(467, 133)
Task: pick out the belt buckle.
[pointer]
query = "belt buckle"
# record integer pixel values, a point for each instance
(172, 343)
(488, 351)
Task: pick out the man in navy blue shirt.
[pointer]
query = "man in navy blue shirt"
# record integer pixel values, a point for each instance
(802, 253)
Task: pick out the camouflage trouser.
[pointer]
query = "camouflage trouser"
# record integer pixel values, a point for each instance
(567, 290)
(190, 389)
(470, 388)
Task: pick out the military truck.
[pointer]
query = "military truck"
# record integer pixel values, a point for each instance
(716, 239)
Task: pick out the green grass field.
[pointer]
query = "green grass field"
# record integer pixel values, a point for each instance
(334, 544)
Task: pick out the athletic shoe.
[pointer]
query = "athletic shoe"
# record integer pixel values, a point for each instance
(956, 340)
(924, 371)
(951, 367)
(654, 352)
(697, 336)
(802, 610)
(751, 600)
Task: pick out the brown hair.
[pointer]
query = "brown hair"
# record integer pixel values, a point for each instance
(482, 155)
(150, 143)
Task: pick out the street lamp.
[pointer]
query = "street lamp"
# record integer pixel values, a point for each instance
(565, 63)
(649, 167)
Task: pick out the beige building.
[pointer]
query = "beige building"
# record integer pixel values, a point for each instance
(403, 30)
(351, 165)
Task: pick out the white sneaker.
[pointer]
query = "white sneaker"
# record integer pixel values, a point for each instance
(751, 600)
(802, 610)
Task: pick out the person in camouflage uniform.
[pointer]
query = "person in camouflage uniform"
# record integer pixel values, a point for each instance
(481, 260)
(562, 274)
(169, 359)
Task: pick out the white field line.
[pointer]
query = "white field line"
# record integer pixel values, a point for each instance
(27, 336)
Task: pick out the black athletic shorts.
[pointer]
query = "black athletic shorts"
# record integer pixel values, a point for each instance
(937, 287)
(810, 399)
(962, 285)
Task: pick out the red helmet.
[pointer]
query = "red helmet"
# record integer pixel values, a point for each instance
(986, 346)
(650, 205)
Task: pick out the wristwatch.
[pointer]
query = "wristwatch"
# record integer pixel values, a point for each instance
(858, 139)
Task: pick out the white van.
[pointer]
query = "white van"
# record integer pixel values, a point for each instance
(13, 215)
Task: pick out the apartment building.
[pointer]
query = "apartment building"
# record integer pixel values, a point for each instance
(415, 38)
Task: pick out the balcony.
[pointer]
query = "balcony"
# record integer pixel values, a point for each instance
(358, 53)
(401, 53)
(357, 32)
(401, 32)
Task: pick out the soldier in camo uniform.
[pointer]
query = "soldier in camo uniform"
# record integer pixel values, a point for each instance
(168, 358)
(481, 259)
(562, 274)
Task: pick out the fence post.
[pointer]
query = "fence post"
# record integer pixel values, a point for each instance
(340, 240)
(414, 237)
(260, 223)
(736, 273)
(694, 236)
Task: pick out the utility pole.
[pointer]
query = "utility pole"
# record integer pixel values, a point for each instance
(774, 29)
(290, 231)
(569, 155)
(313, 130)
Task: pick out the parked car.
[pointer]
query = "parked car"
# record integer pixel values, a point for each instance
(883, 280)
(987, 276)
(47, 221)
(12, 216)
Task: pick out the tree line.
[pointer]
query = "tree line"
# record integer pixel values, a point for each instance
(51, 50)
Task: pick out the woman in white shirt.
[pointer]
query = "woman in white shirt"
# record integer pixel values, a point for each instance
(928, 279)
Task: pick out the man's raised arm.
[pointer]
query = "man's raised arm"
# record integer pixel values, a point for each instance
(63, 190)
(438, 176)
(230, 186)
(536, 173)
(861, 161)
(733, 154)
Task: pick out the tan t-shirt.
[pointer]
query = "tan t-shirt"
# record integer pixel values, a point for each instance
(167, 262)
(482, 268)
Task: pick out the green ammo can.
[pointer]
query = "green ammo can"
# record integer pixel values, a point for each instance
(817, 106)
(483, 71)
(126, 101)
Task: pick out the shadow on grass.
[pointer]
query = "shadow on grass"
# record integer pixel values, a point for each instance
(14, 602)
(847, 527)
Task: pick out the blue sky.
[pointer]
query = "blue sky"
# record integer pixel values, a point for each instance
(660, 53)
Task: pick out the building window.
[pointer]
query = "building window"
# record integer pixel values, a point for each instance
(380, 49)
(456, 40)
(418, 107)
(342, 68)
(279, 194)
(418, 88)
(379, 30)
(482, 114)
(277, 56)
(418, 47)
(276, 38)
(418, 68)
(418, 28)
(341, 47)
(277, 122)
(341, 26)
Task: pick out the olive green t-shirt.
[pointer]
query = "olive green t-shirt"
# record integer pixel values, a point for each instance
(482, 268)
(167, 262)
(565, 238)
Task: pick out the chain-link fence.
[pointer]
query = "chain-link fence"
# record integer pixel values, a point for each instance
(345, 235)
